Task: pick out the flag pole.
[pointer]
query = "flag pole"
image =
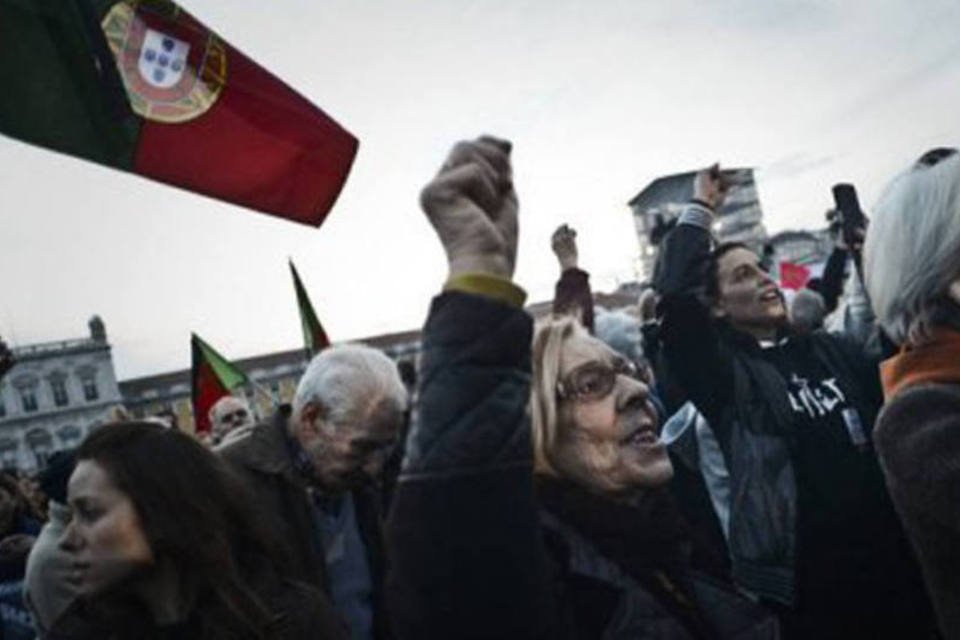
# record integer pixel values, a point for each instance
(266, 392)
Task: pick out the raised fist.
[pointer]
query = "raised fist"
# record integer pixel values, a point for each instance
(564, 245)
(472, 206)
(710, 187)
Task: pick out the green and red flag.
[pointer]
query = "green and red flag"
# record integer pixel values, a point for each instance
(794, 276)
(142, 86)
(315, 338)
(212, 377)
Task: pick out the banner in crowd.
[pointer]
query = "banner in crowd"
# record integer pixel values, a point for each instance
(794, 276)
(315, 338)
(142, 86)
(212, 377)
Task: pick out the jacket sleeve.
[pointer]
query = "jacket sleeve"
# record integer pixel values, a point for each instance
(691, 346)
(831, 284)
(919, 449)
(463, 536)
(572, 296)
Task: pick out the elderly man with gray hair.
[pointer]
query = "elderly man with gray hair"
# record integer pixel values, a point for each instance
(315, 470)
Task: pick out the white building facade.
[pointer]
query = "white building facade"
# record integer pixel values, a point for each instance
(53, 396)
(656, 209)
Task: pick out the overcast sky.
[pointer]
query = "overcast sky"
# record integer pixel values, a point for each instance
(598, 97)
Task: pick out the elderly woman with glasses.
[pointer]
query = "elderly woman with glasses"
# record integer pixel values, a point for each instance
(562, 530)
(912, 270)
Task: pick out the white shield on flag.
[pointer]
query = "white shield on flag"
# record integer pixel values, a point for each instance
(163, 59)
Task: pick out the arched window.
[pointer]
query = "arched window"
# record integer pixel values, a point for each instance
(88, 382)
(39, 439)
(27, 388)
(8, 452)
(69, 435)
(40, 443)
(58, 389)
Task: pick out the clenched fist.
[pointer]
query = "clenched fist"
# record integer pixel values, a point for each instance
(472, 206)
(710, 187)
(564, 245)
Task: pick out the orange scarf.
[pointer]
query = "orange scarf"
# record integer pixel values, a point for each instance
(937, 360)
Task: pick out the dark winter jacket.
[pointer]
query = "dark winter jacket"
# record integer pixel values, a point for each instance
(746, 400)
(265, 460)
(476, 554)
(572, 296)
(298, 612)
(918, 440)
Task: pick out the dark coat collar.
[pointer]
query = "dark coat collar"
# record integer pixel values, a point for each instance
(645, 534)
(267, 449)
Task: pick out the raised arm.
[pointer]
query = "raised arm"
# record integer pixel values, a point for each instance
(690, 343)
(572, 295)
(463, 536)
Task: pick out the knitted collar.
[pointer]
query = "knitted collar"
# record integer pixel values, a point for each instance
(936, 360)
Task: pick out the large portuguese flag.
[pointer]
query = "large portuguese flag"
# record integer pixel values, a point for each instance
(213, 377)
(142, 86)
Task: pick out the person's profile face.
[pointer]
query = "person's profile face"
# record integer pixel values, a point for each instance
(608, 432)
(346, 456)
(105, 539)
(748, 297)
(229, 414)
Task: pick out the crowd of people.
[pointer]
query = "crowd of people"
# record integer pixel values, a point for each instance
(705, 464)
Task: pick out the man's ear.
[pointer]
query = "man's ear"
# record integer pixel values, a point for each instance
(717, 312)
(311, 420)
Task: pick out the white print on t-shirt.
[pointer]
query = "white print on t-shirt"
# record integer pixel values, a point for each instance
(816, 400)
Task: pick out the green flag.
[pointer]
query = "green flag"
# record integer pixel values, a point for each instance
(315, 338)
(212, 377)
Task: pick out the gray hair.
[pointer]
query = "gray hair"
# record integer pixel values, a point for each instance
(912, 250)
(807, 310)
(621, 332)
(351, 382)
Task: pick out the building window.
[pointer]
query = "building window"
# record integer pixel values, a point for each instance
(69, 435)
(28, 400)
(8, 452)
(90, 391)
(41, 443)
(59, 389)
(3, 408)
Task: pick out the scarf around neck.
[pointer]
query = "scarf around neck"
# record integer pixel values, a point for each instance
(935, 360)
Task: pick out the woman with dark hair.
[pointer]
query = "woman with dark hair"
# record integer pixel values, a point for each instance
(164, 545)
(912, 269)
(812, 530)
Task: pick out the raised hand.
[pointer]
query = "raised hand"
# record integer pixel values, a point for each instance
(564, 245)
(710, 187)
(472, 206)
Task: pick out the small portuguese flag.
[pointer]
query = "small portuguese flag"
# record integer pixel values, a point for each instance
(141, 86)
(212, 378)
(315, 338)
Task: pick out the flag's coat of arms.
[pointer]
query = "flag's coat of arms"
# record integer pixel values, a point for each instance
(173, 68)
(163, 59)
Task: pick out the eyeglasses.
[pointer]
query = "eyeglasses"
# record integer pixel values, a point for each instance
(239, 415)
(594, 380)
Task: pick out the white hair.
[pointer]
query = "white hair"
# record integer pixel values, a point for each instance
(621, 332)
(807, 310)
(352, 382)
(912, 250)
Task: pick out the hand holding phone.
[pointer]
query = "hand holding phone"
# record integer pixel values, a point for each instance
(853, 221)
